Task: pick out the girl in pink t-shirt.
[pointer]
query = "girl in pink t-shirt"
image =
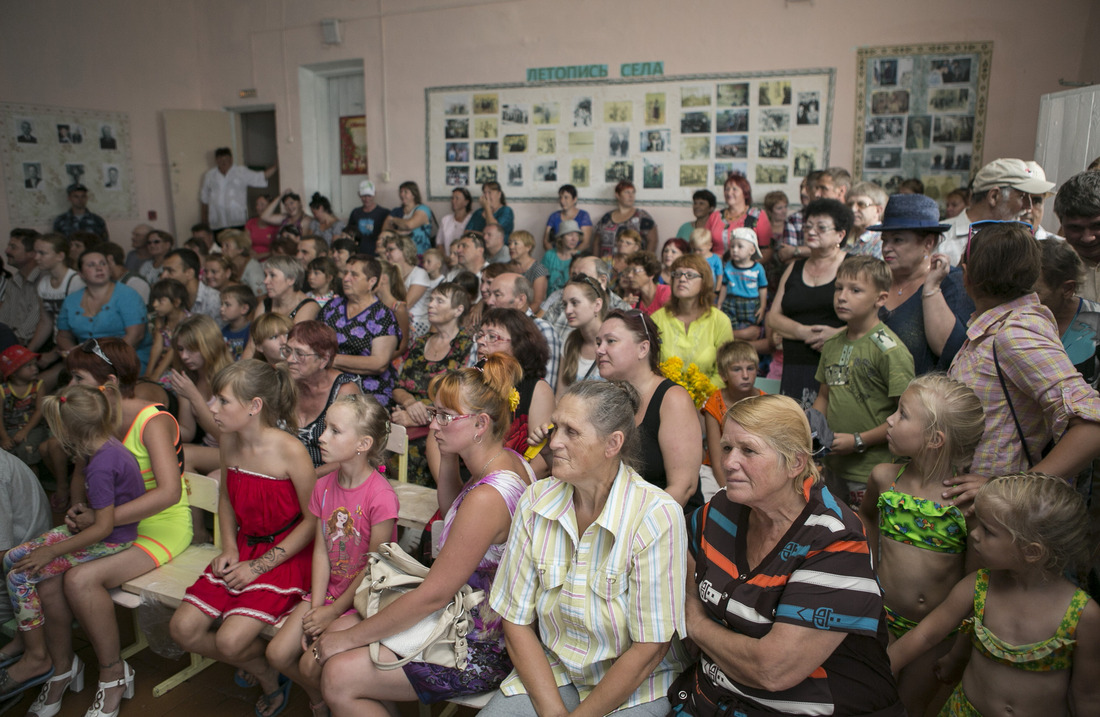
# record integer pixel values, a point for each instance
(357, 511)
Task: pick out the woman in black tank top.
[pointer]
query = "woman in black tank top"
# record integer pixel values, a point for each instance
(627, 347)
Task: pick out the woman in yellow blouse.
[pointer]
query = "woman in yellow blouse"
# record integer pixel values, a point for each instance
(691, 327)
(592, 584)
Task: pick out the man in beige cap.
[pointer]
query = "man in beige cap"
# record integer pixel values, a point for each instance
(1034, 216)
(1002, 191)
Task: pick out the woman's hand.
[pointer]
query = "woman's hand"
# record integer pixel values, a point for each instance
(330, 644)
(37, 559)
(820, 334)
(184, 386)
(240, 574)
(940, 267)
(316, 620)
(79, 517)
(961, 491)
(418, 412)
(223, 562)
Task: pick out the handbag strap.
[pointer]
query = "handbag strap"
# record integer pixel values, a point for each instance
(1011, 408)
(455, 613)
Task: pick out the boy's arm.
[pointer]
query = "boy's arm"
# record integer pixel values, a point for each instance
(35, 419)
(721, 292)
(821, 403)
(5, 440)
(762, 309)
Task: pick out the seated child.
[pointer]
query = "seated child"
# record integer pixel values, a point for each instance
(321, 277)
(238, 303)
(168, 300)
(737, 362)
(21, 427)
(267, 337)
(863, 371)
(744, 288)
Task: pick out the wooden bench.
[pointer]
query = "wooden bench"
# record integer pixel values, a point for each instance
(169, 582)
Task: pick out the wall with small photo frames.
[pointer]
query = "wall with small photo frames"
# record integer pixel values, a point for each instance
(921, 113)
(671, 136)
(45, 149)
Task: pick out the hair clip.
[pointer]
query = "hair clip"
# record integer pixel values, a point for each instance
(102, 387)
(513, 399)
(382, 468)
(62, 399)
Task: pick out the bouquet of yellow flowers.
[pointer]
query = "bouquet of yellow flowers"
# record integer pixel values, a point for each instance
(695, 381)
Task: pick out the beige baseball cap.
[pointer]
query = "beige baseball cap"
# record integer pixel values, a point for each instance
(1013, 173)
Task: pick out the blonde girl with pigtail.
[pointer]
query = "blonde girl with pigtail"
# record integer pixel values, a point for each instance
(356, 510)
(1034, 636)
(918, 540)
(84, 420)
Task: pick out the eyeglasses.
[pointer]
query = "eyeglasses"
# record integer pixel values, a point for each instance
(978, 226)
(818, 228)
(689, 275)
(91, 346)
(444, 419)
(287, 352)
(490, 337)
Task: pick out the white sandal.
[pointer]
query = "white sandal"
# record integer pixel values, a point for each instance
(74, 681)
(96, 710)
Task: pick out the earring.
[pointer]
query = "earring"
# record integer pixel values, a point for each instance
(250, 413)
(477, 439)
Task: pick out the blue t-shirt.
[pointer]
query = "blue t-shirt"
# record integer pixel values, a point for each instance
(582, 219)
(422, 235)
(236, 340)
(504, 217)
(745, 283)
(124, 308)
(715, 263)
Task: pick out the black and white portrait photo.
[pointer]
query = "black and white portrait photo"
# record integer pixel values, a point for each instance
(654, 140)
(107, 137)
(809, 108)
(75, 172)
(64, 134)
(26, 132)
(32, 175)
(110, 177)
(582, 112)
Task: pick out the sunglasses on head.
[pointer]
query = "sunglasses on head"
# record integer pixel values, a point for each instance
(91, 346)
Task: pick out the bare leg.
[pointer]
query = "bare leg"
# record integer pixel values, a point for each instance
(353, 686)
(284, 653)
(55, 459)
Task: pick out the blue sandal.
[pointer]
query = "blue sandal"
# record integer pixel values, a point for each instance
(7, 660)
(284, 690)
(11, 688)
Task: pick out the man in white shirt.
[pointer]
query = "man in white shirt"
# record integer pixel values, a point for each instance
(1002, 191)
(224, 193)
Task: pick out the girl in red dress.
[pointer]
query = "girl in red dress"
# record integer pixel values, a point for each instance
(264, 569)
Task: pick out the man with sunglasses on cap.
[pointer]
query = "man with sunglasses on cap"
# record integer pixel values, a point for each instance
(1002, 191)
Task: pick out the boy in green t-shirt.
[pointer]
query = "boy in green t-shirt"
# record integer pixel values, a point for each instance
(863, 371)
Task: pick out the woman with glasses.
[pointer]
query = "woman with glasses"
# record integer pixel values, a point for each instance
(446, 346)
(638, 282)
(585, 303)
(512, 332)
(159, 243)
(1040, 414)
(691, 326)
(802, 312)
(628, 347)
(101, 309)
(150, 432)
(927, 306)
(310, 348)
(471, 414)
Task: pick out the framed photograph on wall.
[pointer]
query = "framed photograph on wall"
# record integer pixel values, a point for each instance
(353, 144)
(920, 114)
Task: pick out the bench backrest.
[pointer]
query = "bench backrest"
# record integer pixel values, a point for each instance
(399, 443)
(203, 493)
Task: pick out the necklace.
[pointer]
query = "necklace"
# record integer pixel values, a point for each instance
(481, 473)
(908, 283)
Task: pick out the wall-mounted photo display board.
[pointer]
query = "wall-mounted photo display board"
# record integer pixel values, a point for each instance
(44, 150)
(920, 112)
(671, 136)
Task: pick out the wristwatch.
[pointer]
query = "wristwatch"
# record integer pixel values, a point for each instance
(861, 447)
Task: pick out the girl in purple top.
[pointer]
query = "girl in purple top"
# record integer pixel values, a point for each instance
(83, 419)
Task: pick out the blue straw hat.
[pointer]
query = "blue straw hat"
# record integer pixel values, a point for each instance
(911, 211)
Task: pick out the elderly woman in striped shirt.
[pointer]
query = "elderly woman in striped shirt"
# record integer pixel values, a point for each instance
(592, 584)
(783, 604)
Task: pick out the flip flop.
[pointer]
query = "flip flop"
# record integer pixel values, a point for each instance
(10, 688)
(284, 690)
(244, 679)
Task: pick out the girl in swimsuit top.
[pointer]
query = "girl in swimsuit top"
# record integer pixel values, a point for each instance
(917, 539)
(1036, 637)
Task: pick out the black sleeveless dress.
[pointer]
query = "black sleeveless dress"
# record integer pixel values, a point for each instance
(652, 464)
(808, 305)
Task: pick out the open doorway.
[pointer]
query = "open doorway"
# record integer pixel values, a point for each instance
(259, 149)
(329, 91)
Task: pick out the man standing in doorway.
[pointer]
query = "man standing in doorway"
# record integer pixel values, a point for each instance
(78, 218)
(224, 193)
(367, 220)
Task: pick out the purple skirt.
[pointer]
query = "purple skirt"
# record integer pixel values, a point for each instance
(487, 667)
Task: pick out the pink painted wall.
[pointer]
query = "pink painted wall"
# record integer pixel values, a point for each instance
(143, 56)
